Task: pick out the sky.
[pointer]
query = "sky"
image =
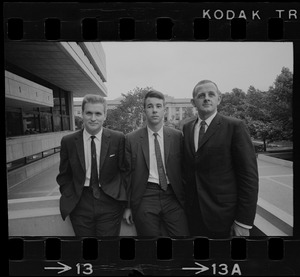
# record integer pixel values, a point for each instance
(174, 68)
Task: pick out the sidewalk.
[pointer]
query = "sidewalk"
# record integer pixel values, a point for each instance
(43, 184)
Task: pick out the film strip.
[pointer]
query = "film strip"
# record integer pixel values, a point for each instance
(133, 256)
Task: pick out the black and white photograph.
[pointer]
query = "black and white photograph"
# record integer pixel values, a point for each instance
(147, 105)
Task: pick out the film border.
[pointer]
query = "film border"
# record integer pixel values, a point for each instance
(156, 22)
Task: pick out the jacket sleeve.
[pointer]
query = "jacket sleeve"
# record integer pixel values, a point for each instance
(64, 177)
(128, 169)
(121, 162)
(246, 172)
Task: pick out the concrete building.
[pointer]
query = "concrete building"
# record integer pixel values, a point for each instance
(41, 79)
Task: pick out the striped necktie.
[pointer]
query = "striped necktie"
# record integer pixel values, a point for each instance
(94, 182)
(201, 132)
(160, 167)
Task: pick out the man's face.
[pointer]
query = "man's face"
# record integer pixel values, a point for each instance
(154, 110)
(93, 117)
(206, 99)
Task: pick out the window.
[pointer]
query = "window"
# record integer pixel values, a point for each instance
(46, 123)
(13, 118)
(31, 120)
(64, 103)
(15, 164)
(57, 123)
(48, 152)
(33, 158)
(66, 122)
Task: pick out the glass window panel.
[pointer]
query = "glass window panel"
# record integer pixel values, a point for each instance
(45, 109)
(56, 107)
(31, 123)
(32, 158)
(66, 123)
(57, 123)
(46, 123)
(48, 152)
(13, 123)
(15, 164)
(65, 103)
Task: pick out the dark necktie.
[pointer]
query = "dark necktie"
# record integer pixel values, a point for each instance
(94, 183)
(201, 132)
(160, 167)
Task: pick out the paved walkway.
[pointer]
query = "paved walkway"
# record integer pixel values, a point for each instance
(275, 185)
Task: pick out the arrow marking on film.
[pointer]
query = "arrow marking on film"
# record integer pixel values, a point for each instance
(199, 269)
(62, 269)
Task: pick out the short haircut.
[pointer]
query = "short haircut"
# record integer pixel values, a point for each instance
(154, 94)
(94, 99)
(202, 83)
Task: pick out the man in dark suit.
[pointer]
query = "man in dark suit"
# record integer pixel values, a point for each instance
(91, 174)
(153, 157)
(220, 169)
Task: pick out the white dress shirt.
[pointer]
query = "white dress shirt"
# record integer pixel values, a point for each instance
(153, 172)
(87, 153)
(197, 128)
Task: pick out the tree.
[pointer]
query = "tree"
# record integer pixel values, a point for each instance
(233, 104)
(280, 97)
(264, 131)
(78, 122)
(128, 116)
(188, 112)
(256, 105)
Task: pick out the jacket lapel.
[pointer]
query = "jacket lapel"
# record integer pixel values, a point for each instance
(145, 145)
(104, 146)
(213, 127)
(80, 148)
(191, 132)
(167, 143)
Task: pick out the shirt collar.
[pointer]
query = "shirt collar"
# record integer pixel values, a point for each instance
(88, 135)
(208, 120)
(160, 132)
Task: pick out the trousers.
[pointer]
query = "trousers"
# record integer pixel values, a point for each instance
(160, 207)
(97, 217)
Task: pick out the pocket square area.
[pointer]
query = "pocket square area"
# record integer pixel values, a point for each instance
(112, 155)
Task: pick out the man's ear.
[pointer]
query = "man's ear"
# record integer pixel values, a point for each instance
(220, 98)
(193, 102)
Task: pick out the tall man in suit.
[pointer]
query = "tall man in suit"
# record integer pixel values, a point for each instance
(91, 174)
(220, 169)
(153, 156)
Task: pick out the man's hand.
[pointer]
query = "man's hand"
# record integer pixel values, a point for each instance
(239, 231)
(128, 216)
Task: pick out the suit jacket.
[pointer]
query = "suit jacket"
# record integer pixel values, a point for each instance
(137, 163)
(72, 169)
(222, 173)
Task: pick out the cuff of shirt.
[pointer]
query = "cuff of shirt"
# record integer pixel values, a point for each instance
(243, 225)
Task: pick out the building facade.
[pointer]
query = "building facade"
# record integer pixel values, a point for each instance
(41, 79)
(176, 108)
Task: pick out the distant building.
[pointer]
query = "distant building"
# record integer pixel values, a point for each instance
(176, 108)
(41, 79)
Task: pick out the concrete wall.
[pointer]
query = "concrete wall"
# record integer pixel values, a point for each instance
(23, 173)
(40, 216)
(19, 88)
(273, 160)
(19, 147)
